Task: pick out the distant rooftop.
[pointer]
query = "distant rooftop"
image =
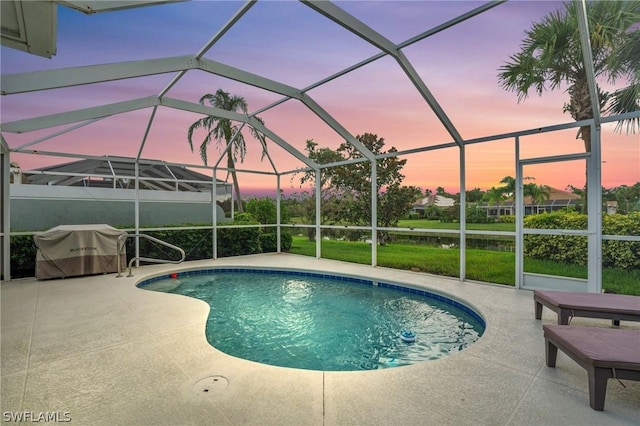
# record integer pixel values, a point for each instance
(119, 172)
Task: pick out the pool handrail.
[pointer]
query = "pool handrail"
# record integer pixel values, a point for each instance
(123, 237)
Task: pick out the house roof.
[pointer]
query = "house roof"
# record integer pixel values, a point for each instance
(434, 200)
(154, 175)
(556, 197)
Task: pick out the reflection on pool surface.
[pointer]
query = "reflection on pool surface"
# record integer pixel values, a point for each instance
(320, 322)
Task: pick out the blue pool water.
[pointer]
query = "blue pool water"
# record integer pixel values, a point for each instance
(319, 322)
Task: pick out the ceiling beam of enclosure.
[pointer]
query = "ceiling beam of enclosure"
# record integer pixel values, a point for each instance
(44, 80)
(69, 117)
(450, 23)
(54, 79)
(217, 36)
(82, 115)
(21, 83)
(90, 7)
(359, 28)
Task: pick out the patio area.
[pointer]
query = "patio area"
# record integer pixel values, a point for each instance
(101, 351)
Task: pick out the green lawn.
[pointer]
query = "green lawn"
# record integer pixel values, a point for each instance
(436, 224)
(482, 265)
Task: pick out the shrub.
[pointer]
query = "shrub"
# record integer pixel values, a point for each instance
(23, 256)
(197, 244)
(573, 249)
(239, 241)
(477, 214)
(264, 210)
(621, 254)
(269, 241)
(509, 218)
(433, 212)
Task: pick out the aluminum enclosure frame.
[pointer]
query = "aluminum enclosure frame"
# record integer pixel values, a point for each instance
(80, 76)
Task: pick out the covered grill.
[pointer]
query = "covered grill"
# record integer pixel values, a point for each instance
(74, 250)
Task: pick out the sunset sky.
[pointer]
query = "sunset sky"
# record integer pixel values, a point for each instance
(288, 42)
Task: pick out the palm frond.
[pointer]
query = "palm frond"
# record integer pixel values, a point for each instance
(626, 100)
(195, 126)
(551, 57)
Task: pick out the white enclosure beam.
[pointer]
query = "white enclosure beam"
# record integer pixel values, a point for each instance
(350, 23)
(318, 229)
(217, 36)
(463, 215)
(229, 144)
(428, 97)
(94, 6)
(519, 218)
(412, 40)
(214, 215)
(585, 42)
(146, 134)
(67, 77)
(450, 23)
(201, 109)
(335, 125)
(5, 201)
(246, 77)
(363, 31)
(76, 116)
(55, 134)
(374, 213)
(278, 215)
(594, 212)
(256, 124)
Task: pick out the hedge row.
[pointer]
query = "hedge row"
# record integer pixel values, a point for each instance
(197, 244)
(573, 249)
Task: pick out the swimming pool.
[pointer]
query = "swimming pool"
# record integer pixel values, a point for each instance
(323, 322)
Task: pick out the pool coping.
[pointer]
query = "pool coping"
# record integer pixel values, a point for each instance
(112, 353)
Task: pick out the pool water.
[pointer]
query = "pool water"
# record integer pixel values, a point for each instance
(319, 323)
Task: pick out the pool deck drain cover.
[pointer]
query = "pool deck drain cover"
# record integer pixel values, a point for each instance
(211, 385)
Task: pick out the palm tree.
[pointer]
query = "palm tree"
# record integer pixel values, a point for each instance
(509, 187)
(538, 193)
(494, 195)
(222, 130)
(551, 57)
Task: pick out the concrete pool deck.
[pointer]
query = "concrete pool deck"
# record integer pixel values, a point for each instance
(103, 352)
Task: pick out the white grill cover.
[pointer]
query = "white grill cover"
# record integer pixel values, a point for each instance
(73, 250)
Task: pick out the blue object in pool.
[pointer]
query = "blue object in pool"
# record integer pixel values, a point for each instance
(408, 336)
(327, 323)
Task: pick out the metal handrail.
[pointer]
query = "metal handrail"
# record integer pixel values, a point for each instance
(123, 237)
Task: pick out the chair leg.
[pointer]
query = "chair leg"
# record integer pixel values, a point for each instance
(597, 387)
(538, 310)
(551, 352)
(563, 317)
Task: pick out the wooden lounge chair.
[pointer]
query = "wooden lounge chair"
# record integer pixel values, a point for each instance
(604, 352)
(592, 305)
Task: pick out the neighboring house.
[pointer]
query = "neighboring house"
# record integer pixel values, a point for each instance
(103, 192)
(611, 207)
(421, 205)
(557, 200)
